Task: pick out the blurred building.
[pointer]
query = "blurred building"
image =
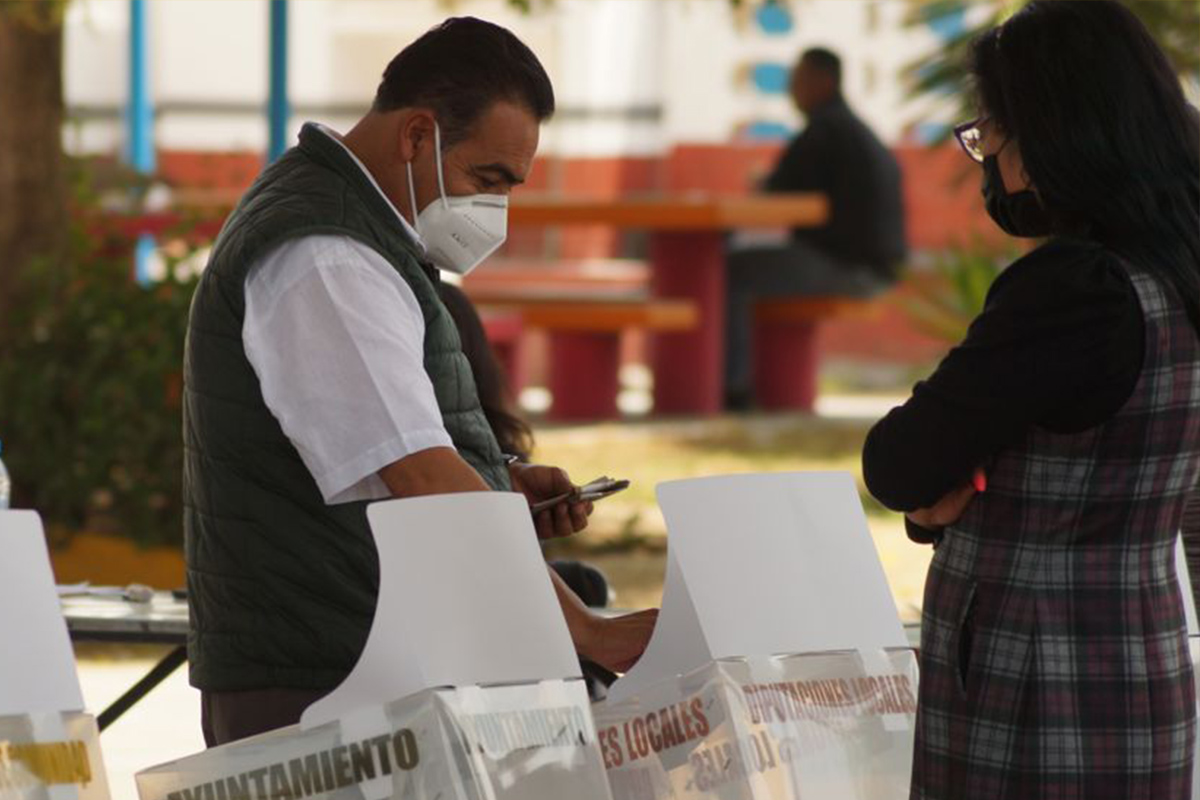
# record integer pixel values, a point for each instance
(653, 95)
(634, 77)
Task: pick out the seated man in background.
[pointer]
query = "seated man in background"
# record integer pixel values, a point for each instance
(855, 253)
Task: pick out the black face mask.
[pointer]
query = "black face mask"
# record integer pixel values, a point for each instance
(1017, 214)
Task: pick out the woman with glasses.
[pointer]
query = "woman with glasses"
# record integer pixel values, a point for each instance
(1049, 455)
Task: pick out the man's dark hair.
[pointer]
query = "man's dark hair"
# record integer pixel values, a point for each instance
(458, 69)
(824, 60)
(1104, 130)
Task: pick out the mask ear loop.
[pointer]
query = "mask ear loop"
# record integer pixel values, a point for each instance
(437, 155)
(1029, 187)
(412, 198)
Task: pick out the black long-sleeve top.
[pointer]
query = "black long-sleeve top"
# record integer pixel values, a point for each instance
(840, 157)
(1059, 345)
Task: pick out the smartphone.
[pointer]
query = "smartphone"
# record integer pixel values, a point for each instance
(590, 492)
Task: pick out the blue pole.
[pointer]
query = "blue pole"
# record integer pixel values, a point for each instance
(139, 145)
(139, 113)
(278, 110)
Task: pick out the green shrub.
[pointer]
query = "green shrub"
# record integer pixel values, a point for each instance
(944, 306)
(90, 385)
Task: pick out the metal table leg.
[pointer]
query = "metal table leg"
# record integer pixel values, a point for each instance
(153, 678)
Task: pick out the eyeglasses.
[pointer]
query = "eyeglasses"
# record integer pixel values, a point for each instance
(970, 137)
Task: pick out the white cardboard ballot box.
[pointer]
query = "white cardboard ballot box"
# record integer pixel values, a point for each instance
(49, 748)
(51, 757)
(821, 725)
(779, 668)
(468, 686)
(522, 741)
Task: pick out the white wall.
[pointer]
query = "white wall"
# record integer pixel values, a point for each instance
(94, 56)
(613, 62)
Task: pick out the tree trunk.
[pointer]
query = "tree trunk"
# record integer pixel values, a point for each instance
(33, 212)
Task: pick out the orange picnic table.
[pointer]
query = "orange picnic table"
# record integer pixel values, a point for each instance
(687, 258)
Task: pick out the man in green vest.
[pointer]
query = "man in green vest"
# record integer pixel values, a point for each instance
(322, 372)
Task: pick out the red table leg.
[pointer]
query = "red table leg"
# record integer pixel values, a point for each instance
(583, 374)
(689, 366)
(505, 332)
(785, 365)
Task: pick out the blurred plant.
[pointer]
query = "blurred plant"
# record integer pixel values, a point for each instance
(42, 15)
(90, 385)
(942, 72)
(944, 302)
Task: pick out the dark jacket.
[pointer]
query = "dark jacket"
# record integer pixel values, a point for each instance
(838, 155)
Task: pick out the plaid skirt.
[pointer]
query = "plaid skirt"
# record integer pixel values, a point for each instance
(1073, 682)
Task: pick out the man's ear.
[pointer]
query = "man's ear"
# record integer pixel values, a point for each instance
(416, 134)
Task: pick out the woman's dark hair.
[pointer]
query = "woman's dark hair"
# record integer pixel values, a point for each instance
(512, 432)
(1105, 132)
(459, 69)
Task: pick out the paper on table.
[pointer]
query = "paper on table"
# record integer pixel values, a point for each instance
(37, 665)
(765, 564)
(465, 598)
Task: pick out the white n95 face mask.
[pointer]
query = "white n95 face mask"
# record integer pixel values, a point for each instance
(459, 232)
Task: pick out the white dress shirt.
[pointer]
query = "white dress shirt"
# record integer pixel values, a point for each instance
(336, 337)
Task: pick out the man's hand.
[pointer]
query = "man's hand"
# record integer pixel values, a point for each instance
(616, 643)
(945, 511)
(539, 483)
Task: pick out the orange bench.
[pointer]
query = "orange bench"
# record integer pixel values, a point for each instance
(584, 306)
(585, 343)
